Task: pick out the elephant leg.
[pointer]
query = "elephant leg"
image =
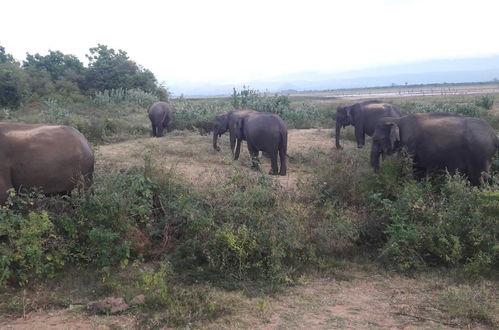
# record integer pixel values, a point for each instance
(273, 163)
(419, 172)
(282, 157)
(169, 127)
(478, 175)
(360, 136)
(159, 131)
(153, 131)
(5, 184)
(255, 162)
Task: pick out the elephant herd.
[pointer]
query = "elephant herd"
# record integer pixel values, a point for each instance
(57, 158)
(435, 141)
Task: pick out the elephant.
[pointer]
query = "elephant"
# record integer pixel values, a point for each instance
(160, 114)
(51, 157)
(225, 122)
(438, 141)
(363, 116)
(263, 132)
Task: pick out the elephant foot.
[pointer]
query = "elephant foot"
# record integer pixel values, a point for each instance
(272, 172)
(282, 173)
(360, 146)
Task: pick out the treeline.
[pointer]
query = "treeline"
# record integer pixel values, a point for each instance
(65, 78)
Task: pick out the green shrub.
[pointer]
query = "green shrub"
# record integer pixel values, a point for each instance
(466, 109)
(485, 101)
(196, 115)
(445, 224)
(120, 96)
(30, 247)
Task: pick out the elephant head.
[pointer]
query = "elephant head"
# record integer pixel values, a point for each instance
(220, 126)
(386, 139)
(344, 117)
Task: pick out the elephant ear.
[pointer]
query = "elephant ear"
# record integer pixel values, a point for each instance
(394, 134)
(349, 115)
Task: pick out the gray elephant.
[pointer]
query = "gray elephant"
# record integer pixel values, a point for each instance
(438, 141)
(226, 122)
(263, 132)
(160, 114)
(50, 157)
(363, 116)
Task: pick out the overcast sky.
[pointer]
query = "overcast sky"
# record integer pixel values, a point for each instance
(232, 41)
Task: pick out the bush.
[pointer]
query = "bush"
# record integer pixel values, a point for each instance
(120, 96)
(448, 224)
(30, 247)
(305, 115)
(465, 109)
(485, 101)
(194, 115)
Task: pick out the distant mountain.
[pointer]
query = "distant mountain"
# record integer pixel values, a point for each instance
(427, 72)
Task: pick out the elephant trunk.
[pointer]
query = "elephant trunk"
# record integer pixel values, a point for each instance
(337, 132)
(375, 154)
(215, 140)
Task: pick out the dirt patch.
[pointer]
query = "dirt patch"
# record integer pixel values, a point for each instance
(67, 319)
(192, 155)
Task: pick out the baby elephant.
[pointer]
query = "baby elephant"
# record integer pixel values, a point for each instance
(160, 114)
(51, 157)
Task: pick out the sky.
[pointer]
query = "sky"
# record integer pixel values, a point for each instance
(233, 41)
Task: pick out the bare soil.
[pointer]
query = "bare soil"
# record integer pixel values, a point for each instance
(193, 155)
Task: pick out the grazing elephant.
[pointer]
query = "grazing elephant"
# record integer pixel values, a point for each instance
(363, 116)
(225, 122)
(438, 141)
(263, 132)
(160, 114)
(51, 157)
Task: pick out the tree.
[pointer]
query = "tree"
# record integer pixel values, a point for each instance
(10, 81)
(57, 64)
(109, 69)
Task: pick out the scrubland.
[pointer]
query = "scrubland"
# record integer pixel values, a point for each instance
(211, 243)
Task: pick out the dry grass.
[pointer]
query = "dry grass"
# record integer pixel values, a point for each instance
(192, 155)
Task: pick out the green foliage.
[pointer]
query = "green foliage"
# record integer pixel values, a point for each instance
(246, 232)
(11, 86)
(466, 109)
(485, 101)
(196, 115)
(64, 78)
(109, 69)
(29, 246)
(121, 96)
(427, 224)
(304, 115)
